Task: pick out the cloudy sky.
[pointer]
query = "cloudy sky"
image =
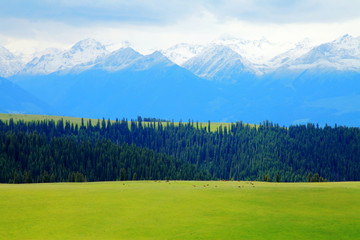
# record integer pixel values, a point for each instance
(32, 25)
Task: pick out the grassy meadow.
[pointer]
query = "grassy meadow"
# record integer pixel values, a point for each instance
(75, 120)
(180, 210)
(30, 117)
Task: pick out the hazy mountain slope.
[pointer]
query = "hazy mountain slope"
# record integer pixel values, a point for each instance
(169, 93)
(14, 99)
(148, 85)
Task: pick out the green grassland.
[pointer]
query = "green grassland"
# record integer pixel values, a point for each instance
(180, 210)
(28, 117)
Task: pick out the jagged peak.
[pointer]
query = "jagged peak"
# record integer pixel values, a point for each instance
(219, 50)
(343, 38)
(125, 50)
(157, 56)
(88, 43)
(347, 40)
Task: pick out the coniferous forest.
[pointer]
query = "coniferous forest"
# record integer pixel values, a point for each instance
(49, 151)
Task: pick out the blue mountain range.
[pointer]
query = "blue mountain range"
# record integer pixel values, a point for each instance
(218, 84)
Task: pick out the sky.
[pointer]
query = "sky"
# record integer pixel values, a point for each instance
(33, 25)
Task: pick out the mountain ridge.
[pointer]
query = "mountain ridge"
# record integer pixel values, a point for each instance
(344, 54)
(217, 83)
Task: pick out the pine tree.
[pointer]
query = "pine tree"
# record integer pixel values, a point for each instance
(28, 177)
(52, 178)
(122, 176)
(308, 178)
(46, 177)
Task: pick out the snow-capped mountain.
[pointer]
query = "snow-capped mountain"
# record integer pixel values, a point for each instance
(288, 87)
(9, 63)
(86, 51)
(88, 54)
(222, 59)
(182, 52)
(119, 59)
(261, 56)
(299, 50)
(218, 62)
(152, 60)
(126, 58)
(260, 52)
(342, 54)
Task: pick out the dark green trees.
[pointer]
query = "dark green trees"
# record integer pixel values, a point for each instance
(27, 177)
(47, 151)
(122, 176)
(46, 177)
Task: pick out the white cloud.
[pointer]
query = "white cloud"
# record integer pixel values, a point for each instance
(285, 11)
(155, 24)
(162, 12)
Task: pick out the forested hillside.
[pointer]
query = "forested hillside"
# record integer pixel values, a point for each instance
(43, 151)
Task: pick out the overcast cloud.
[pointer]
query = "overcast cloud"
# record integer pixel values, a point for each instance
(153, 24)
(169, 11)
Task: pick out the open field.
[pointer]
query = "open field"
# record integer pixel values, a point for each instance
(28, 117)
(180, 210)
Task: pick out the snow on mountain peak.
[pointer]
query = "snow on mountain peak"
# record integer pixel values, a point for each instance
(154, 59)
(290, 55)
(119, 59)
(228, 53)
(87, 44)
(124, 58)
(83, 52)
(9, 63)
(344, 39)
(259, 52)
(217, 61)
(340, 54)
(182, 52)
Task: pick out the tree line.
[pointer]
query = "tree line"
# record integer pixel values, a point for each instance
(123, 149)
